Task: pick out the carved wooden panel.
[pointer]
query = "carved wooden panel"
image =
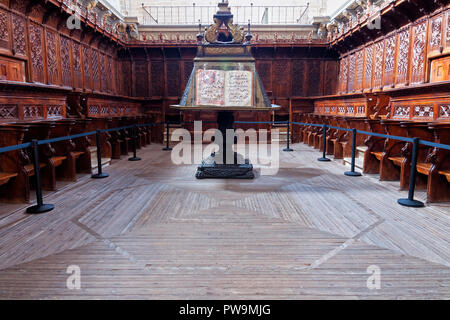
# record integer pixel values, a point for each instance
(37, 60)
(9, 112)
(95, 70)
(368, 56)
(4, 29)
(127, 81)
(440, 69)
(281, 82)
(435, 40)
(76, 63)
(314, 75)
(351, 73)
(52, 57)
(157, 79)
(359, 70)
(87, 67)
(378, 68)
(389, 61)
(188, 66)
(173, 79)
(19, 31)
(298, 78)
(66, 72)
(264, 69)
(343, 75)
(403, 57)
(141, 76)
(102, 70)
(330, 83)
(418, 53)
(448, 29)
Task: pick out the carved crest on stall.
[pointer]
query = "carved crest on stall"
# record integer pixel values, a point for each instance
(223, 30)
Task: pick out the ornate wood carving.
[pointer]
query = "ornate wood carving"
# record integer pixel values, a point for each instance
(95, 70)
(4, 29)
(418, 53)
(298, 78)
(19, 30)
(351, 73)
(314, 82)
(378, 68)
(403, 57)
(359, 70)
(173, 79)
(37, 61)
(436, 33)
(65, 62)
(52, 57)
(368, 67)
(389, 61)
(157, 79)
(141, 74)
(87, 67)
(76, 63)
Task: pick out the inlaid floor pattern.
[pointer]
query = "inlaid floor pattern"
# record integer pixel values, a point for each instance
(152, 231)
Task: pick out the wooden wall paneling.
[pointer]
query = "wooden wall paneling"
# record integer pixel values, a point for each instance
(404, 50)
(359, 56)
(378, 68)
(95, 70)
(76, 65)
(447, 36)
(264, 68)
(66, 64)
(298, 77)
(281, 75)
(19, 36)
(140, 72)
(368, 67)
(344, 74)
(187, 68)
(5, 32)
(314, 78)
(351, 73)
(53, 58)
(102, 71)
(418, 52)
(173, 79)
(389, 61)
(36, 53)
(436, 35)
(87, 67)
(157, 76)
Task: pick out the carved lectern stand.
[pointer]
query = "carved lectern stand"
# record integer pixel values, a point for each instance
(224, 79)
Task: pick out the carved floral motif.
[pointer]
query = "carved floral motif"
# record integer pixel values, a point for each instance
(369, 64)
(378, 72)
(54, 111)
(389, 61)
(52, 60)
(36, 53)
(65, 62)
(19, 31)
(403, 52)
(436, 27)
(418, 58)
(4, 35)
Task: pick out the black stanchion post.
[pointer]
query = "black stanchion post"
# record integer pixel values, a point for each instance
(100, 174)
(324, 137)
(288, 138)
(352, 172)
(410, 202)
(134, 133)
(167, 148)
(40, 207)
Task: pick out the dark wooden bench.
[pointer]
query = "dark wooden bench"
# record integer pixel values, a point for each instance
(375, 147)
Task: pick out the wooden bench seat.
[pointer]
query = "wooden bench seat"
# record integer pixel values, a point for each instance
(6, 176)
(397, 160)
(378, 155)
(445, 173)
(424, 168)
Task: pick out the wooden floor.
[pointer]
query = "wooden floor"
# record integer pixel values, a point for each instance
(152, 231)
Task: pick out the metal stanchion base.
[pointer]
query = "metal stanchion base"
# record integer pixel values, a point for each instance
(167, 149)
(353, 174)
(100, 176)
(134, 159)
(288, 150)
(324, 159)
(40, 209)
(411, 203)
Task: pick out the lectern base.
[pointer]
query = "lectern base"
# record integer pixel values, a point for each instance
(210, 170)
